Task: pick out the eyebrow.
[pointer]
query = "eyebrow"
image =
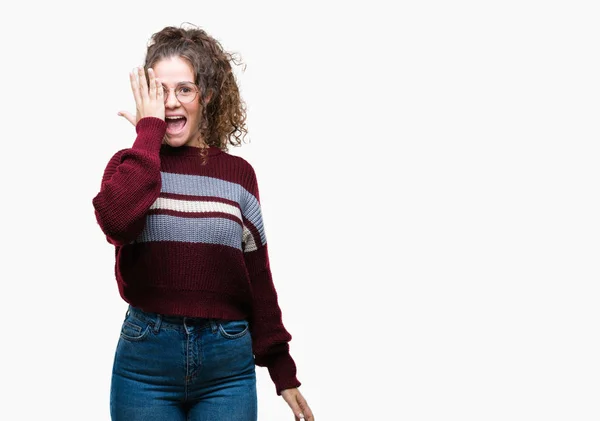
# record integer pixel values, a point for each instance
(181, 83)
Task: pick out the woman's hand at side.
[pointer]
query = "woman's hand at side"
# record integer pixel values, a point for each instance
(298, 404)
(149, 96)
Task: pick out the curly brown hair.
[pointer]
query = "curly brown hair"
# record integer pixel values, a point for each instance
(223, 119)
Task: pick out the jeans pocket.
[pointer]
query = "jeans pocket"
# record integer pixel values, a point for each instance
(233, 329)
(134, 330)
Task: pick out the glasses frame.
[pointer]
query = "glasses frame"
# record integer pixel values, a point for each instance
(167, 92)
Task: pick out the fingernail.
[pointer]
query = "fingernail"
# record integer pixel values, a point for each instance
(301, 416)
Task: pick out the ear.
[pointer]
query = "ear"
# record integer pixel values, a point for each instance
(208, 96)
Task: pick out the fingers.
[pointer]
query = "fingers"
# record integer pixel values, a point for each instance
(149, 95)
(296, 401)
(127, 116)
(151, 83)
(135, 88)
(142, 89)
(159, 91)
(155, 86)
(305, 412)
(143, 84)
(301, 410)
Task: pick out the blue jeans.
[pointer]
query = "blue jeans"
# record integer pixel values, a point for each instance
(183, 369)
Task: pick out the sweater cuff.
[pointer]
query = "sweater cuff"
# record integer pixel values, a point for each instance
(150, 134)
(282, 370)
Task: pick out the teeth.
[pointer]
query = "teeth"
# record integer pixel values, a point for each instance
(175, 117)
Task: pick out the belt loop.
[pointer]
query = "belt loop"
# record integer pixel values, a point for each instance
(188, 329)
(214, 325)
(157, 323)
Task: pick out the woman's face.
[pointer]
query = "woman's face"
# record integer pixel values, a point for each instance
(174, 72)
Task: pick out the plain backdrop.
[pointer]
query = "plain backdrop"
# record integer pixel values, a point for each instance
(428, 173)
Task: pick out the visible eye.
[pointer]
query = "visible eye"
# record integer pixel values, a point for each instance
(186, 90)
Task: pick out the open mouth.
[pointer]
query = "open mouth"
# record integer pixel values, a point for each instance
(175, 124)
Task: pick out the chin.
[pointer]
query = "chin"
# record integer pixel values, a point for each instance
(178, 141)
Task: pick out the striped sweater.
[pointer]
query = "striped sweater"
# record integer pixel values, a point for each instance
(189, 240)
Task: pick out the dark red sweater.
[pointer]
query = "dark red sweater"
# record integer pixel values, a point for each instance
(189, 240)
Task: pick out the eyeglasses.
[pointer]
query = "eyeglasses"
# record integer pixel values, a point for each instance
(185, 92)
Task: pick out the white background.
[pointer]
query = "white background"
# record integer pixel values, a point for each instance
(429, 183)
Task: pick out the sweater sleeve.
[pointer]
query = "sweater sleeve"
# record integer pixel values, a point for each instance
(270, 339)
(130, 184)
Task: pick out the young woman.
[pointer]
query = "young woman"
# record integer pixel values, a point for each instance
(191, 255)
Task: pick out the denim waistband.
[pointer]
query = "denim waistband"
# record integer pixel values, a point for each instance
(158, 319)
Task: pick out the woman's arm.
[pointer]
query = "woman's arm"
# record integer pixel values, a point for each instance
(130, 184)
(270, 339)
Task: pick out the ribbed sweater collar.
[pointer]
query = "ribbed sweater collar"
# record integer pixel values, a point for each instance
(187, 150)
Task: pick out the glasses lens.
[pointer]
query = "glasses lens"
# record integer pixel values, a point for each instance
(186, 93)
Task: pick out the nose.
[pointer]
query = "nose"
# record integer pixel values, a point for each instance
(171, 99)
